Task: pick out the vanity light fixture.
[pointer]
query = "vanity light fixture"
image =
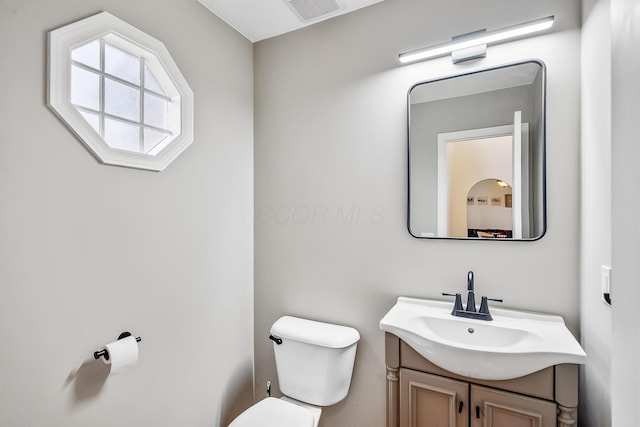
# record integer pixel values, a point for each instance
(475, 39)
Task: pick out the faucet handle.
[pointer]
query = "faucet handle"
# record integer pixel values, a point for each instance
(484, 304)
(457, 305)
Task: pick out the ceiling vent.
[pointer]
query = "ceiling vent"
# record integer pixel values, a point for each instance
(310, 10)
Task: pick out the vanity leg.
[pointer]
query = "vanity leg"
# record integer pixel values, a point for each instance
(393, 395)
(567, 394)
(392, 359)
(566, 417)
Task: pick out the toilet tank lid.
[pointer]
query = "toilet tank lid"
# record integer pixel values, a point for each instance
(313, 332)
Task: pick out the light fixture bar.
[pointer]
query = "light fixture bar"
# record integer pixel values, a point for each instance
(487, 38)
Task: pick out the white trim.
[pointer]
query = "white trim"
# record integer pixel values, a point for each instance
(124, 36)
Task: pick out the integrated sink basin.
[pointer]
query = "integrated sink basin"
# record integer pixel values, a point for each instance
(513, 344)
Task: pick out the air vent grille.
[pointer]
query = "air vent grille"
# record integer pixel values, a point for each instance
(308, 10)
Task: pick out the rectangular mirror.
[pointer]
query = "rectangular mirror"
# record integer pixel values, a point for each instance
(477, 155)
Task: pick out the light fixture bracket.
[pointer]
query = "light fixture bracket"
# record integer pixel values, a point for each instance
(473, 52)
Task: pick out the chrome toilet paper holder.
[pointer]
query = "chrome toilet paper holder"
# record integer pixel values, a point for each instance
(104, 353)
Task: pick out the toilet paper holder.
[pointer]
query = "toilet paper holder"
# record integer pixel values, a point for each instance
(104, 353)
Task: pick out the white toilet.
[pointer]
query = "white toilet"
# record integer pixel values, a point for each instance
(314, 361)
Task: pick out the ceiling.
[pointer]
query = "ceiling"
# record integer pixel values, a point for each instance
(262, 19)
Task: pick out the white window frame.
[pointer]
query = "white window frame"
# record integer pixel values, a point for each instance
(155, 55)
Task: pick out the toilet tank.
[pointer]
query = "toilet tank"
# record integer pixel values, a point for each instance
(315, 359)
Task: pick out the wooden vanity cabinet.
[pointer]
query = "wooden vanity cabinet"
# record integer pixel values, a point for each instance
(497, 408)
(421, 394)
(430, 400)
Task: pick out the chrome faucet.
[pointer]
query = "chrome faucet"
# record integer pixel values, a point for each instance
(470, 311)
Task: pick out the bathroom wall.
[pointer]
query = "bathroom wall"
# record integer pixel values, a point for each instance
(610, 208)
(625, 203)
(330, 180)
(87, 250)
(595, 319)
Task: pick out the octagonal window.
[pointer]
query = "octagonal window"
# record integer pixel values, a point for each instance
(119, 90)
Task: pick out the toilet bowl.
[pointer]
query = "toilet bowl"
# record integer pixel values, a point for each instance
(314, 361)
(274, 412)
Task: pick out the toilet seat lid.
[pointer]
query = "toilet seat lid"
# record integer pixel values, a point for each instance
(272, 412)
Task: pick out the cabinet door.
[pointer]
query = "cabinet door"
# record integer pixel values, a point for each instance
(494, 408)
(431, 401)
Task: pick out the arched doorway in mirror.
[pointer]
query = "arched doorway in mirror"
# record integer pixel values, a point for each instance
(489, 209)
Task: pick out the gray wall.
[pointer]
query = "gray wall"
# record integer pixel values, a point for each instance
(596, 329)
(610, 388)
(625, 198)
(87, 251)
(330, 106)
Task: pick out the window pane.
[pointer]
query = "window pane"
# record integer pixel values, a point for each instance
(155, 111)
(93, 119)
(122, 135)
(150, 81)
(121, 100)
(88, 54)
(121, 64)
(152, 138)
(85, 88)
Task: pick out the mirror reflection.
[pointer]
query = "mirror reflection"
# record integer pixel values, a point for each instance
(477, 155)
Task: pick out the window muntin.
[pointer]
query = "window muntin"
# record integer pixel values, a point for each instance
(120, 98)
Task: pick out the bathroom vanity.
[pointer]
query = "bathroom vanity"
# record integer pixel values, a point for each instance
(458, 368)
(421, 394)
